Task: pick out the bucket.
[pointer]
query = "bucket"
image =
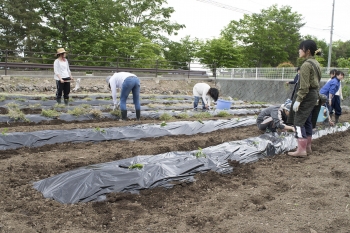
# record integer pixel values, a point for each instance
(223, 104)
(322, 116)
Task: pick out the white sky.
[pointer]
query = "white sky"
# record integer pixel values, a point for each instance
(205, 21)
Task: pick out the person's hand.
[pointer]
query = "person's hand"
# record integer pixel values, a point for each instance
(287, 82)
(331, 123)
(61, 80)
(207, 106)
(115, 106)
(296, 106)
(71, 78)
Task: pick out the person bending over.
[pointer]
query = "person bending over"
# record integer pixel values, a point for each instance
(204, 92)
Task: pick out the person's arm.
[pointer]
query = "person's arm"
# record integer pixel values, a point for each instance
(68, 69)
(56, 68)
(332, 91)
(304, 81)
(204, 97)
(113, 84)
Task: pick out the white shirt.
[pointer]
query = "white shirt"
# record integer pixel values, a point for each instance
(61, 68)
(116, 81)
(201, 90)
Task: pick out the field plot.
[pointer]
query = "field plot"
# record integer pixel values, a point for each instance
(275, 194)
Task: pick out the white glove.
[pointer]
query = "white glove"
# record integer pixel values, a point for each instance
(296, 106)
(116, 107)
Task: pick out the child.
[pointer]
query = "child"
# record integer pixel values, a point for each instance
(330, 89)
(204, 91)
(273, 118)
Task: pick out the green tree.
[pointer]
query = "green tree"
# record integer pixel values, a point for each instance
(179, 54)
(218, 53)
(269, 38)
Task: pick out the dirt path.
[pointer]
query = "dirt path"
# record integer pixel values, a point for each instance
(278, 194)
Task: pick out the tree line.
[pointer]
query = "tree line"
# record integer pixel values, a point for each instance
(141, 30)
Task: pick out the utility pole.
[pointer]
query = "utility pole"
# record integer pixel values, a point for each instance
(330, 42)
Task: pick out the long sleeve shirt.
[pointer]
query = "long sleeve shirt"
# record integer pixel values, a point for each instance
(331, 87)
(308, 78)
(116, 81)
(201, 90)
(61, 69)
(276, 114)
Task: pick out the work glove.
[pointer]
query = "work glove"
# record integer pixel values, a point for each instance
(296, 106)
(115, 106)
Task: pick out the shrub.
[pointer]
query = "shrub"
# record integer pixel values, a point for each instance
(183, 115)
(78, 111)
(116, 112)
(96, 113)
(202, 115)
(285, 64)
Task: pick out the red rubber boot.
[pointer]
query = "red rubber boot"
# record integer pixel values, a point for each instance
(301, 150)
(308, 146)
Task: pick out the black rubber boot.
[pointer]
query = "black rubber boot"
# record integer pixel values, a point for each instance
(58, 101)
(66, 101)
(138, 114)
(124, 115)
(337, 119)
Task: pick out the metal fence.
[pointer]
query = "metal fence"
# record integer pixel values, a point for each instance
(268, 73)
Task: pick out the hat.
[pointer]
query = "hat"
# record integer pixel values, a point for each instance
(287, 105)
(107, 79)
(60, 50)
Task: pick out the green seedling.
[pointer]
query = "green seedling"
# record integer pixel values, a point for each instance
(339, 125)
(200, 153)
(78, 111)
(50, 113)
(107, 98)
(202, 115)
(57, 105)
(87, 99)
(200, 121)
(163, 124)
(136, 165)
(86, 106)
(4, 131)
(44, 98)
(98, 129)
(116, 112)
(34, 105)
(2, 98)
(21, 99)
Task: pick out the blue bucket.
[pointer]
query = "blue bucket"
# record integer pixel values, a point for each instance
(223, 104)
(322, 116)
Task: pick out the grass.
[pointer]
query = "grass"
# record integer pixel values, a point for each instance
(2, 98)
(85, 106)
(44, 98)
(78, 111)
(183, 115)
(107, 98)
(50, 113)
(116, 112)
(20, 99)
(16, 114)
(202, 115)
(34, 106)
(96, 113)
(165, 117)
(57, 105)
(163, 124)
(223, 114)
(87, 99)
(4, 131)
(98, 129)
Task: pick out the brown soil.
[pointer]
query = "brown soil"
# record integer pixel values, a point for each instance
(276, 194)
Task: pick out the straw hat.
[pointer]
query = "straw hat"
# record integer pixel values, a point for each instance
(61, 50)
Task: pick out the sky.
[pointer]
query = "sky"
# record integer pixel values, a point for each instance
(204, 19)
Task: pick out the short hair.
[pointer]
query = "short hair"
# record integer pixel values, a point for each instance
(309, 45)
(297, 69)
(214, 93)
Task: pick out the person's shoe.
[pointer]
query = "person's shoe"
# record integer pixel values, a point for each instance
(66, 101)
(308, 146)
(301, 150)
(58, 101)
(138, 115)
(124, 115)
(337, 119)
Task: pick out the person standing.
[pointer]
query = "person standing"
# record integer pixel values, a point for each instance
(305, 106)
(62, 75)
(330, 89)
(295, 81)
(204, 92)
(127, 82)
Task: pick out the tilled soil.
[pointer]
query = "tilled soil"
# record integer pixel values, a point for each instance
(276, 194)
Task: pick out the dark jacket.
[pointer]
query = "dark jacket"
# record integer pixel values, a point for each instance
(276, 114)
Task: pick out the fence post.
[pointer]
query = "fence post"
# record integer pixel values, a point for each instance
(282, 72)
(189, 69)
(157, 68)
(214, 72)
(117, 63)
(6, 62)
(232, 73)
(256, 72)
